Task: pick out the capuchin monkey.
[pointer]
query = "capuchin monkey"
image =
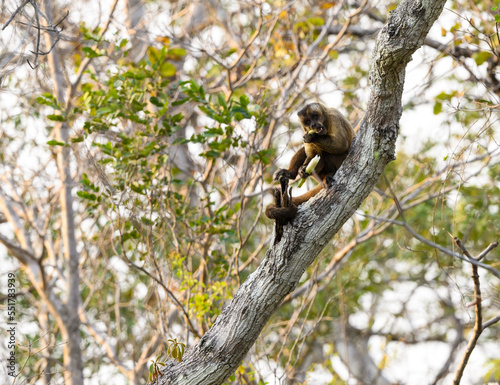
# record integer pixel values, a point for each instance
(327, 133)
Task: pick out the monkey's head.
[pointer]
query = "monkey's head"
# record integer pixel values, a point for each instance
(314, 117)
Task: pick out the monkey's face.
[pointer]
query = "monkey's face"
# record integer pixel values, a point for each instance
(312, 117)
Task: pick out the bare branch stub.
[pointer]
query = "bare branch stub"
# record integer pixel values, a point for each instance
(486, 251)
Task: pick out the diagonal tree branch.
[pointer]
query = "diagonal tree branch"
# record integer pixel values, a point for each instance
(23, 255)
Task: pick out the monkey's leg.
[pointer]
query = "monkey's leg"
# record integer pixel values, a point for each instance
(308, 195)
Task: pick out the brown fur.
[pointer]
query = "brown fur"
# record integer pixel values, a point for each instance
(332, 140)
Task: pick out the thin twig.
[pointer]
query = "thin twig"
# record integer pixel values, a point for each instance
(491, 322)
(86, 62)
(167, 290)
(15, 13)
(487, 250)
(50, 28)
(478, 327)
(37, 34)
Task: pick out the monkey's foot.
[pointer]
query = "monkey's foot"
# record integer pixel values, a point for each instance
(329, 179)
(283, 174)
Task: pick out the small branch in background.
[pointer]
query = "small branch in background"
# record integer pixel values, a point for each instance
(15, 13)
(403, 223)
(478, 325)
(51, 28)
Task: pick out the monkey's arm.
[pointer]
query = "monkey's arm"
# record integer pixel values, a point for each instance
(337, 144)
(297, 161)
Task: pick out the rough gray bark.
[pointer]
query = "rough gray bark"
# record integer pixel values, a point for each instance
(224, 346)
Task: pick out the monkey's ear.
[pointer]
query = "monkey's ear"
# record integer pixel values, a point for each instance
(302, 112)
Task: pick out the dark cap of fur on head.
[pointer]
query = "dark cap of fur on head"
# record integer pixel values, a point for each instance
(309, 108)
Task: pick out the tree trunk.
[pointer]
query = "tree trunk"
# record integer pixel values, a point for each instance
(221, 350)
(70, 319)
(352, 348)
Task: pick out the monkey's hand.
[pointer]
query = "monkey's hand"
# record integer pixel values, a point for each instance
(283, 173)
(310, 138)
(303, 173)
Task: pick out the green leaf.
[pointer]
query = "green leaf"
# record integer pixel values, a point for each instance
(211, 132)
(147, 221)
(78, 139)
(180, 141)
(154, 100)
(137, 188)
(316, 21)
(179, 102)
(86, 195)
(481, 57)
(240, 113)
(445, 96)
(211, 154)
(90, 53)
(56, 118)
(263, 155)
(438, 107)
(167, 70)
(48, 100)
(208, 111)
(105, 110)
(54, 142)
(222, 101)
(85, 180)
(244, 100)
(176, 53)
(153, 54)
(228, 53)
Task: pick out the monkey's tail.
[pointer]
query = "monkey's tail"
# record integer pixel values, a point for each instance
(281, 213)
(308, 195)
